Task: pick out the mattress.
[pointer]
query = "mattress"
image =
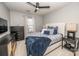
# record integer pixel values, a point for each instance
(54, 38)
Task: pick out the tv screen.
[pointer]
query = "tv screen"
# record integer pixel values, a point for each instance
(3, 25)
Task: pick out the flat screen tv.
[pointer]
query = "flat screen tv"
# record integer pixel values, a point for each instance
(3, 25)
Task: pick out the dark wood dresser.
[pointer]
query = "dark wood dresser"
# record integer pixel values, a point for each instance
(19, 30)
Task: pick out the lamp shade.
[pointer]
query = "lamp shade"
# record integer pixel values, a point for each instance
(71, 27)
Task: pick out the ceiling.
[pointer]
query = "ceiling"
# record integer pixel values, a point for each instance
(24, 7)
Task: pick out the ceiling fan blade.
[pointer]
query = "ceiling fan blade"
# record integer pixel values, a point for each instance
(37, 4)
(31, 4)
(44, 6)
(35, 10)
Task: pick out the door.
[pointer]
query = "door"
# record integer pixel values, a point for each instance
(29, 25)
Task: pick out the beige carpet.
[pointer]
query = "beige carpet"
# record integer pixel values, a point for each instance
(21, 50)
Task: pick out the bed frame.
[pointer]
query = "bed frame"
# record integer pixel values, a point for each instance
(61, 30)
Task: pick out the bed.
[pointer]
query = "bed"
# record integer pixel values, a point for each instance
(45, 40)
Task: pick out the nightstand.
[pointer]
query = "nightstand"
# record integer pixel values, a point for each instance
(70, 42)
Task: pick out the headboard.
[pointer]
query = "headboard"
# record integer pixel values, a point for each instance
(61, 27)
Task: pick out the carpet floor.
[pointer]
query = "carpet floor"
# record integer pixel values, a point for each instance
(21, 50)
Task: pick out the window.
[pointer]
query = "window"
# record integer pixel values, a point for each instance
(30, 24)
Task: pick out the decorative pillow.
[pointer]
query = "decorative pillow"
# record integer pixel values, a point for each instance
(50, 27)
(51, 31)
(43, 30)
(55, 30)
(46, 32)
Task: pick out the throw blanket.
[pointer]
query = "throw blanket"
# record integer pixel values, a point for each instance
(36, 46)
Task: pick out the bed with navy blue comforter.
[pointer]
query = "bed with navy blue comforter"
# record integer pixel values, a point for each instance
(38, 43)
(36, 46)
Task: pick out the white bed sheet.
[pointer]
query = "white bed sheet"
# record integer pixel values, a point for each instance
(54, 38)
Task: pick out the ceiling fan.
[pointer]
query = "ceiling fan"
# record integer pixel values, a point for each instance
(37, 7)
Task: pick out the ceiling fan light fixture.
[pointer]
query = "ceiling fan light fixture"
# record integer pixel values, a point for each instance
(37, 8)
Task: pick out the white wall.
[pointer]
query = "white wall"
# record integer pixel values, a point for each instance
(69, 13)
(17, 19)
(38, 22)
(4, 13)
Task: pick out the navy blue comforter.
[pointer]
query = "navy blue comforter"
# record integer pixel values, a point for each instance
(36, 46)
